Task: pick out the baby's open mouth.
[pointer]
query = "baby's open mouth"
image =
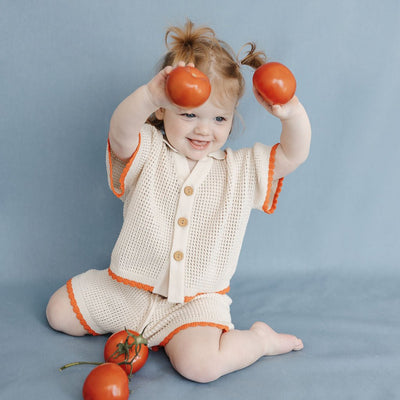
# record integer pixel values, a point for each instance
(199, 144)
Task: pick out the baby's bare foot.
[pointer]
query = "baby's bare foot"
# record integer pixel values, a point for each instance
(276, 343)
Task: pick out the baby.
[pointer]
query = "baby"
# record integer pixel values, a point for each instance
(186, 207)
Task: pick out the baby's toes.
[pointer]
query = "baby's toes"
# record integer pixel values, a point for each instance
(298, 344)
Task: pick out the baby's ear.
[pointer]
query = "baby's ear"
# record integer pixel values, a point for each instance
(160, 114)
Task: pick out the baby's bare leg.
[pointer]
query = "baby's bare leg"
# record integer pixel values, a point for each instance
(61, 315)
(203, 354)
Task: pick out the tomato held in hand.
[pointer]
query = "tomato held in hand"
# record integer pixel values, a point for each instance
(106, 382)
(128, 349)
(188, 87)
(275, 83)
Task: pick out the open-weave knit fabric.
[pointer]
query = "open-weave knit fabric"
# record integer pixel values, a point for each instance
(155, 249)
(104, 305)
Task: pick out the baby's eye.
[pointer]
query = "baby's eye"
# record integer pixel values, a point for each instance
(220, 119)
(191, 115)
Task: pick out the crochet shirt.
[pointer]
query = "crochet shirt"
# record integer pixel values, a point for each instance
(182, 231)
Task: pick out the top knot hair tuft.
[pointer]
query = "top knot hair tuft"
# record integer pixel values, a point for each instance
(189, 44)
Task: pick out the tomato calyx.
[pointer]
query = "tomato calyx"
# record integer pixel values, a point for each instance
(132, 345)
(125, 349)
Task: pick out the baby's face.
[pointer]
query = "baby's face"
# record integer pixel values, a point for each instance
(200, 131)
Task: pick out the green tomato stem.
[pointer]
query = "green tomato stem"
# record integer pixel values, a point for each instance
(79, 363)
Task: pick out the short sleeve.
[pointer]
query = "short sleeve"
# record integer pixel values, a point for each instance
(122, 175)
(267, 189)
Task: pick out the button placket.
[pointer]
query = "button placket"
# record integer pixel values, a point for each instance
(176, 282)
(179, 247)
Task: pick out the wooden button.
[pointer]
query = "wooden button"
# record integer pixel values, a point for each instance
(182, 221)
(178, 256)
(188, 190)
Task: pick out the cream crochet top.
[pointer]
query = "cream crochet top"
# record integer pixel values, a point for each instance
(182, 230)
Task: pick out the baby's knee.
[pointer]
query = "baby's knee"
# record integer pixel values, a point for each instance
(61, 316)
(201, 368)
(54, 310)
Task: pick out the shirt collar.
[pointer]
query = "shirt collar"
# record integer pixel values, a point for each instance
(217, 155)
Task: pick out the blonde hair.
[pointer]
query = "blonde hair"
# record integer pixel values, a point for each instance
(212, 56)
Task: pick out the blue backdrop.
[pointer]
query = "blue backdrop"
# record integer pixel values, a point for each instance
(66, 65)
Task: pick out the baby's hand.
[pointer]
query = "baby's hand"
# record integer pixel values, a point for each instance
(157, 88)
(284, 111)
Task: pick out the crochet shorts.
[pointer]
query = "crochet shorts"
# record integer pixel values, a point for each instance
(104, 305)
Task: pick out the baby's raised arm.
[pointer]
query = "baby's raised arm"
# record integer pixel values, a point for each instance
(295, 136)
(129, 117)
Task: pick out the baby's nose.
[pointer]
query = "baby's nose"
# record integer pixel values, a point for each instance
(202, 129)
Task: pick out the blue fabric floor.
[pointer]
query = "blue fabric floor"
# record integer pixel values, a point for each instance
(349, 324)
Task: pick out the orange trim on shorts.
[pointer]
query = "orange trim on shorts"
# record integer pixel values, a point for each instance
(124, 172)
(271, 169)
(192, 325)
(75, 307)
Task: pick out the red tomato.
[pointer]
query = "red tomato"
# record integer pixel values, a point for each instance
(188, 87)
(275, 83)
(106, 382)
(128, 349)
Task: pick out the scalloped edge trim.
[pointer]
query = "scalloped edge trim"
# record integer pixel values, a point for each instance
(124, 172)
(225, 328)
(223, 291)
(76, 309)
(149, 288)
(128, 282)
(271, 170)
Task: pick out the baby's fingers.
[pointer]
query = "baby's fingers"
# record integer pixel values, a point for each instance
(166, 71)
(183, 64)
(260, 99)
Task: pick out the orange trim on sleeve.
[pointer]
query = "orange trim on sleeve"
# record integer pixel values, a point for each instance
(192, 325)
(75, 307)
(124, 172)
(270, 179)
(129, 282)
(223, 291)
